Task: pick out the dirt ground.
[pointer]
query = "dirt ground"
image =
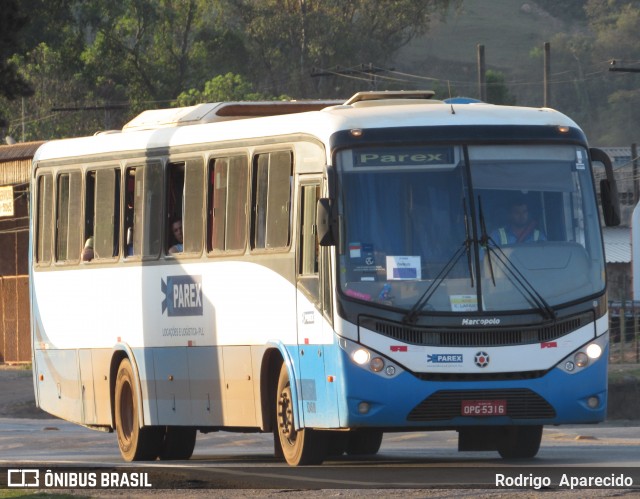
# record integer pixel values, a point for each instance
(17, 397)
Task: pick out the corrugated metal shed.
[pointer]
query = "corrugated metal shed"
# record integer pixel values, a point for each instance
(617, 244)
(15, 162)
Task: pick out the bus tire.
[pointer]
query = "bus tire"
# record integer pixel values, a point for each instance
(364, 442)
(520, 442)
(179, 442)
(135, 443)
(299, 447)
(336, 442)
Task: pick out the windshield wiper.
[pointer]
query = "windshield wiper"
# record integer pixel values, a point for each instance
(484, 240)
(412, 315)
(526, 286)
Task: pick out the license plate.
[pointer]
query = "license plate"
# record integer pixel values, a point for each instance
(484, 407)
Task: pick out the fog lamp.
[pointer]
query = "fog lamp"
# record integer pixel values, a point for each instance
(593, 402)
(363, 407)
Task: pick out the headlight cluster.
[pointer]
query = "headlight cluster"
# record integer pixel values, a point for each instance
(368, 359)
(586, 355)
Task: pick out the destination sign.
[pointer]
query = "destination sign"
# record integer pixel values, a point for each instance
(403, 156)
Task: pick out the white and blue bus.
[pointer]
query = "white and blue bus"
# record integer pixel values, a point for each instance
(392, 263)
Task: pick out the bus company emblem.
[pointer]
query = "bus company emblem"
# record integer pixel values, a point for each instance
(182, 295)
(482, 359)
(445, 358)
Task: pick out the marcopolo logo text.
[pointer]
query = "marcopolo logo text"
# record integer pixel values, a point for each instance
(481, 322)
(182, 295)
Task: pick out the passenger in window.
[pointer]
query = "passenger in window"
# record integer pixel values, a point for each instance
(87, 252)
(176, 229)
(520, 227)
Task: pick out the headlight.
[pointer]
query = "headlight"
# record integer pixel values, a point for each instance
(585, 356)
(370, 360)
(594, 351)
(360, 356)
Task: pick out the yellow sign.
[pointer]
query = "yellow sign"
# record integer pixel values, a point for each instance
(6, 201)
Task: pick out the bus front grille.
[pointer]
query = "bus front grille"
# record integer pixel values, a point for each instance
(476, 337)
(444, 405)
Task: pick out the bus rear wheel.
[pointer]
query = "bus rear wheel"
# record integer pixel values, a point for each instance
(299, 447)
(520, 442)
(136, 443)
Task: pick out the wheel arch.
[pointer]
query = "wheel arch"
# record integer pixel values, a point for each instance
(274, 357)
(122, 351)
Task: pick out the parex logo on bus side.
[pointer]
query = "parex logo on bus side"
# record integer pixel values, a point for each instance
(182, 295)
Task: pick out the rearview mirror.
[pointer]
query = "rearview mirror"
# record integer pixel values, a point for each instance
(608, 189)
(325, 223)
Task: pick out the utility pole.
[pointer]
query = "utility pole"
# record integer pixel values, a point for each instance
(547, 72)
(482, 75)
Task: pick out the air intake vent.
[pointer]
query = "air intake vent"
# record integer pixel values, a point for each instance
(475, 337)
(447, 404)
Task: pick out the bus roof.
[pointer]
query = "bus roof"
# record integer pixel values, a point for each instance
(197, 124)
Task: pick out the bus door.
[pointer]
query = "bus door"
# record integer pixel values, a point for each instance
(315, 335)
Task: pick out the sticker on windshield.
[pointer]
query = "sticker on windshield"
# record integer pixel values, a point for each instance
(355, 250)
(464, 303)
(579, 160)
(403, 268)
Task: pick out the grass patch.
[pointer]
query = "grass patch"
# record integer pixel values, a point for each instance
(27, 494)
(618, 373)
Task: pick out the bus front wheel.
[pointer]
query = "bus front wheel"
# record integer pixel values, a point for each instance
(136, 443)
(520, 442)
(364, 442)
(299, 447)
(179, 442)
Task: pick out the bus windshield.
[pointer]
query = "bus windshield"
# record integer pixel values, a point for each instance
(469, 228)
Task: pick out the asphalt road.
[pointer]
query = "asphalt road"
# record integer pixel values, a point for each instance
(239, 465)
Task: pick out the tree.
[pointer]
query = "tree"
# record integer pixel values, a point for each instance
(602, 102)
(12, 84)
(497, 91)
(222, 88)
(285, 39)
(147, 52)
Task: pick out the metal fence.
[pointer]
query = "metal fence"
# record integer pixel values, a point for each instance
(624, 330)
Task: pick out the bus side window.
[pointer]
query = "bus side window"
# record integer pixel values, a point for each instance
(102, 214)
(193, 205)
(148, 211)
(68, 221)
(185, 200)
(227, 204)
(129, 209)
(271, 200)
(45, 219)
